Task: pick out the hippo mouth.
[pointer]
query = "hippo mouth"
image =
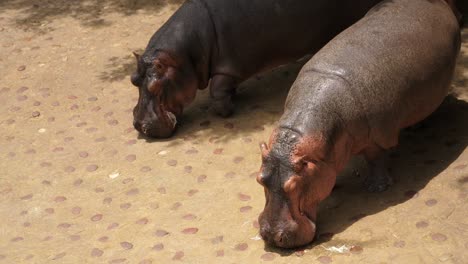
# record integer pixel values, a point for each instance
(287, 233)
(158, 124)
(167, 117)
(171, 119)
(304, 235)
(170, 123)
(165, 127)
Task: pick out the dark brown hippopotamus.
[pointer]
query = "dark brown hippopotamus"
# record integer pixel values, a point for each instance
(386, 72)
(228, 41)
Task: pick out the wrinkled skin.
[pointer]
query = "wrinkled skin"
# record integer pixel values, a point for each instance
(297, 173)
(218, 41)
(352, 98)
(289, 178)
(161, 98)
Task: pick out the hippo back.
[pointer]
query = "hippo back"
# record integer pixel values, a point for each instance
(270, 33)
(397, 61)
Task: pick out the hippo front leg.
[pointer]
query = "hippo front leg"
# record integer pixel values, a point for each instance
(222, 89)
(379, 178)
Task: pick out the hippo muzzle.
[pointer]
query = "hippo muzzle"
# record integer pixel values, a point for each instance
(285, 228)
(155, 129)
(157, 123)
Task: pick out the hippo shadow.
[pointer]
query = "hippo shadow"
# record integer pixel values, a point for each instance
(424, 151)
(119, 69)
(461, 80)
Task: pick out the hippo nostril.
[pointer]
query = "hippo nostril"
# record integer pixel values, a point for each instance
(279, 238)
(144, 128)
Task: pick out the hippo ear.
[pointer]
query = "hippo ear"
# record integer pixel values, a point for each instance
(160, 67)
(137, 77)
(264, 149)
(140, 63)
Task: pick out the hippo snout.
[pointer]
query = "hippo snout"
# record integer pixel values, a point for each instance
(155, 123)
(154, 129)
(287, 233)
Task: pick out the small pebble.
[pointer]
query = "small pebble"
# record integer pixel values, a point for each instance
(217, 240)
(220, 253)
(161, 233)
(96, 217)
(399, 244)
(438, 237)
(431, 202)
(178, 255)
(96, 252)
(241, 247)
(190, 230)
(126, 245)
(268, 257)
(243, 197)
(356, 249)
(158, 247)
(324, 259)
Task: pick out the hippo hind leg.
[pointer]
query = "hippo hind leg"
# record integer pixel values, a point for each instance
(222, 90)
(379, 178)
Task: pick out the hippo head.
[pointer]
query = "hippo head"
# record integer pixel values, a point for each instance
(295, 182)
(166, 86)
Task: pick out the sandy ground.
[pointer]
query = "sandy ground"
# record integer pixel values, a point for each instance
(78, 184)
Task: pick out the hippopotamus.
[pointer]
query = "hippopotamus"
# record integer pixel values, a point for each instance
(388, 71)
(224, 42)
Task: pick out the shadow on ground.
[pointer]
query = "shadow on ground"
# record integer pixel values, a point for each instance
(461, 78)
(119, 69)
(36, 14)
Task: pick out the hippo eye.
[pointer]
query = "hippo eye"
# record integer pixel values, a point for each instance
(159, 68)
(313, 161)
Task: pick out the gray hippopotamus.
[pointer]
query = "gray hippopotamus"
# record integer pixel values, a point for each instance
(386, 72)
(228, 41)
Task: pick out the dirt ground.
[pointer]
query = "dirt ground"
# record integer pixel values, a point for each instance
(79, 185)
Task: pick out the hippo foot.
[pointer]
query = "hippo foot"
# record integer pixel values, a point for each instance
(378, 182)
(224, 108)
